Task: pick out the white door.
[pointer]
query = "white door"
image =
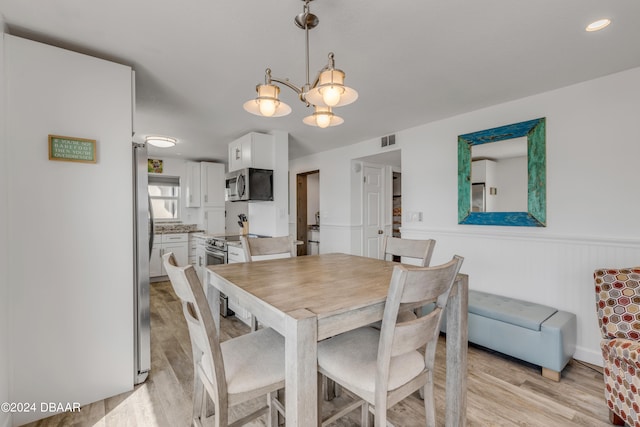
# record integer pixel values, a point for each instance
(373, 211)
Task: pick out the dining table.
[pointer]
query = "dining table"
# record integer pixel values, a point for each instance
(310, 298)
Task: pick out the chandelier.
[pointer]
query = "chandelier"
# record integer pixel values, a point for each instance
(326, 92)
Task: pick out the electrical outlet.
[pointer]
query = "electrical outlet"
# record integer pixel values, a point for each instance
(413, 216)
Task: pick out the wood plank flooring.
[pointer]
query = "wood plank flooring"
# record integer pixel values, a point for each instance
(501, 391)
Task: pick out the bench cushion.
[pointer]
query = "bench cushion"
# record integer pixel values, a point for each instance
(516, 312)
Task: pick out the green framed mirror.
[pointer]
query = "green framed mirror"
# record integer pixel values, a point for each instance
(474, 194)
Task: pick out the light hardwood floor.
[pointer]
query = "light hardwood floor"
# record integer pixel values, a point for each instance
(501, 390)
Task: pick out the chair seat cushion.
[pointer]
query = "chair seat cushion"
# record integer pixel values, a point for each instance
(350, 358)
(253, 360)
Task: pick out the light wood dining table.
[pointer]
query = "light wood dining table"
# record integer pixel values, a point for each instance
(310, 298)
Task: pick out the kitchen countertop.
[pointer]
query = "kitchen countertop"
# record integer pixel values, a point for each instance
(176, 228)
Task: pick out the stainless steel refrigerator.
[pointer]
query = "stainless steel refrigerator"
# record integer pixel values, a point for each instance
(143, 241)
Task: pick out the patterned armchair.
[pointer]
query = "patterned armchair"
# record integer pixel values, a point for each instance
(618, 304)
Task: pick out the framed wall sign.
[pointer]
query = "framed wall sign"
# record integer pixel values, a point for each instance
(72, 149)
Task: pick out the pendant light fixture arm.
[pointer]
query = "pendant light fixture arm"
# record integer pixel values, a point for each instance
(269, 79)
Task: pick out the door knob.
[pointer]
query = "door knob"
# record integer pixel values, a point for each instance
(380, 232)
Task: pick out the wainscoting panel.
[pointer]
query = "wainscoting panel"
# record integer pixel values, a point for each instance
(551, 270)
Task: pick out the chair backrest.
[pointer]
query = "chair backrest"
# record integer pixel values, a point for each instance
(256, 249)
(412, 286)
(618, 302)
(416, 252)
(202, 329)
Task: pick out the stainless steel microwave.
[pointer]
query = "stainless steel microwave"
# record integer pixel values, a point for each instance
(249, 184)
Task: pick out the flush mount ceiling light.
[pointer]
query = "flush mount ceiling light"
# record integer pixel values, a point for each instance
(327, 91)
(598, 25)
(160, 141)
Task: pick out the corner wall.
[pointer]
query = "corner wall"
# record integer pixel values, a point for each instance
(592, 203)
(5, 418)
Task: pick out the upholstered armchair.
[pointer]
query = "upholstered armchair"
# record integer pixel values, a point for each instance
(618, 305)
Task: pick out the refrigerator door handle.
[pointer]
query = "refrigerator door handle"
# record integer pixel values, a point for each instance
(151, 233)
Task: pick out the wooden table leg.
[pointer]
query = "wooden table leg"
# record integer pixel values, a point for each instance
(301, 349)
(456, 390)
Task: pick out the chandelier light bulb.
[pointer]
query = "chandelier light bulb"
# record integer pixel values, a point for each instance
(323, 120)
(267, 107)
(331, 95)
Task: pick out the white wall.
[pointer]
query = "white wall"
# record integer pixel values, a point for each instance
(5, 418)
(70, 264)
(592, 197)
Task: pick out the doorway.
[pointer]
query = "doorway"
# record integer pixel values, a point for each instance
(381, 206)
(308, 212)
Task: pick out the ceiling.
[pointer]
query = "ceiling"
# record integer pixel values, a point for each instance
(412, 62)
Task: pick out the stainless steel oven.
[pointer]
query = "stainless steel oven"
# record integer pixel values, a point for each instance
(215, 250)
(215, 255)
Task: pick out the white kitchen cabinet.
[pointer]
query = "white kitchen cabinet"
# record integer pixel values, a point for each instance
(177, 243)
(213, 220)
(212, 184)
(192, 185)
(201, 262)
(253, 150)
(193, 245)
(235, 254)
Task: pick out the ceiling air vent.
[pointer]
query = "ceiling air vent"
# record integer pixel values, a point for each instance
(387, 141)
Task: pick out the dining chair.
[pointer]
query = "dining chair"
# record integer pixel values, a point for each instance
(231, 372)
(383, 367)
(618, 305)
(407, 251)
(265, 248)
(416, 252)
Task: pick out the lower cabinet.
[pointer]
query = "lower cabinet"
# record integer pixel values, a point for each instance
(177, 243)
(236, 254)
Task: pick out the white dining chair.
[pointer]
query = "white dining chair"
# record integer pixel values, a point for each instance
(231, 372)
(383, 367)
(265, 248)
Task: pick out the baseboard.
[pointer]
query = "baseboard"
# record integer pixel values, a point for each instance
(589, 356)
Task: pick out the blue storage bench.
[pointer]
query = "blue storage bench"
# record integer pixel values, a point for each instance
(535, 333)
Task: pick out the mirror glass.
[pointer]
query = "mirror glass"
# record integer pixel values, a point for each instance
(502, 175)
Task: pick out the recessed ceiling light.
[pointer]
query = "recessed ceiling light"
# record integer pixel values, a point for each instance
(598, 25)
(161, 141)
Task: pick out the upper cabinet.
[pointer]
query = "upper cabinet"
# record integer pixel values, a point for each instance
(253, 150)
(212, 184)
(192, 185)
(204, 185)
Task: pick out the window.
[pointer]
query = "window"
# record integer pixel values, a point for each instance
(164, 195)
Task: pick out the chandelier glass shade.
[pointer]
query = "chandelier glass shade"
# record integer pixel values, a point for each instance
(323, 117)
(326, 92)
(267, 103)
(331, 91)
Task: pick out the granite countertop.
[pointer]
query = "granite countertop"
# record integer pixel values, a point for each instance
(176, 228)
